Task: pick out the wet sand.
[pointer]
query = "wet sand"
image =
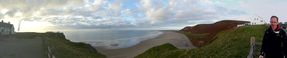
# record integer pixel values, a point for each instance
(178, 40)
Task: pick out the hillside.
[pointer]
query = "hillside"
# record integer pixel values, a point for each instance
(56, 45)
(203, 34)
(63, 48)
(233, 43)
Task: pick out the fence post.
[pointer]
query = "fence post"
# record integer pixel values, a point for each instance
(252, 48)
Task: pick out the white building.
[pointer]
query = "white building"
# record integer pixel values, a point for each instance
(6, 28)
(257, 20)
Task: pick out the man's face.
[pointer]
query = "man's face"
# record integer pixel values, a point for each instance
(274, 22)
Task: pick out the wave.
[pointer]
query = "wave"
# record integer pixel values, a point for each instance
(124, 42)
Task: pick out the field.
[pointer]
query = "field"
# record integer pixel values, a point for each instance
(58, 46)
(233, 43)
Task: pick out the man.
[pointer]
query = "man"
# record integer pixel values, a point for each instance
(272, 45)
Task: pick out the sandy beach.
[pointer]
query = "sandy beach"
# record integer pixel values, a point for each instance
(178, 40)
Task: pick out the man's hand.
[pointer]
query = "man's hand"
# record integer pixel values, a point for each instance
(260, 56)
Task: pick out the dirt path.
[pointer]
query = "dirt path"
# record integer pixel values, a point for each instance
(21, 48)
(178, 40)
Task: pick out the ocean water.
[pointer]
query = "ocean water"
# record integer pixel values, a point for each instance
(111, 39)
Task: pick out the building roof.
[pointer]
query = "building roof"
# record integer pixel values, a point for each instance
(3, 24)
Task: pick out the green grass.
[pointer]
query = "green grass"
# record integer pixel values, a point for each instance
(232, 43)
(160, 52)
(60, 46)
(25, 35)
(195, 36)
(63, 48)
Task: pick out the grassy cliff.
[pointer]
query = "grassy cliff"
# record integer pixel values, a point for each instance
(60, 47)
(63, 48)
(233, 43)
(203, 34)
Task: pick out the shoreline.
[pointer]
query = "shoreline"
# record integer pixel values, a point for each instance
(112, 39)
(178, 40)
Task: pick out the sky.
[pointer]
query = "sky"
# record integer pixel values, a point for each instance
(51, 15)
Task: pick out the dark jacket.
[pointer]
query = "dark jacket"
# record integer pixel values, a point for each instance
(272, 45)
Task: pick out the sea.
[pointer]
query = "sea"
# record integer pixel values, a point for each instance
(111, 39)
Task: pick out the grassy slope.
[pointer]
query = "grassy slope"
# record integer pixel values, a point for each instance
(63, 48)
(154, 51)
(229, 44)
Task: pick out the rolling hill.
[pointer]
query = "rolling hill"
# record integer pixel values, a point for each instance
(203, 34)
(232, 43)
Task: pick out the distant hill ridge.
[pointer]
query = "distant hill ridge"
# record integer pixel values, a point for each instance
(210, 30)
(215, 27)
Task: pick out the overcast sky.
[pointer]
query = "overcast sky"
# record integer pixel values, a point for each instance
(44, 15)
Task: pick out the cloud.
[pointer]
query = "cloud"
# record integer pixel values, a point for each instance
(106, 14)
(30, 6)
(162, 12)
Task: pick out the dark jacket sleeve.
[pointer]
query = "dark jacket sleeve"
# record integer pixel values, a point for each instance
(263, 43)
(284, 43)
